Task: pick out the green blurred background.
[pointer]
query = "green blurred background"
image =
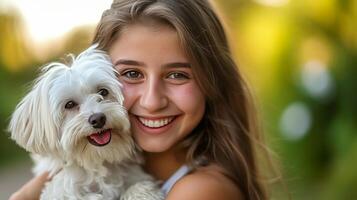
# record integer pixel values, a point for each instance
(299, 56)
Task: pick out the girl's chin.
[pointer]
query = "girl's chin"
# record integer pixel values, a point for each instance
(151, 144)
(152, 147)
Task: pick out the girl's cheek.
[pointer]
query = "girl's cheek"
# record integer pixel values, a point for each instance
(129, 93)
(188, 97)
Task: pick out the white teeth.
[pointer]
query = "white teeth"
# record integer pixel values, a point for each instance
(155, 123)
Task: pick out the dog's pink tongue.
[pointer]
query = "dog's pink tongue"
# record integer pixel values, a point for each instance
(101, 138)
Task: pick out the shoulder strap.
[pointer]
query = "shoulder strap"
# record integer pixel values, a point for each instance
(181, 172)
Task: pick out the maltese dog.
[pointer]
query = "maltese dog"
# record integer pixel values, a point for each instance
(74, 124)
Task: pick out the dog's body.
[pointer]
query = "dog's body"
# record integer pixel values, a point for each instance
(74, 123)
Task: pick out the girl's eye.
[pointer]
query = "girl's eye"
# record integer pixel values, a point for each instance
(131, 74)
(178, 75)
(70, 105)
(104, 92)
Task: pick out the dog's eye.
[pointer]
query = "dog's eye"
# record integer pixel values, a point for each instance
(103, 92)
(70, 105)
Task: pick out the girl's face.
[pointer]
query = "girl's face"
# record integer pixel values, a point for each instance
(162, 97)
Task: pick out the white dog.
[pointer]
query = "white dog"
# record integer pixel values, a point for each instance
(74, 123)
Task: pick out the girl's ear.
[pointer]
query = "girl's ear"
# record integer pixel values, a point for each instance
(32, 125)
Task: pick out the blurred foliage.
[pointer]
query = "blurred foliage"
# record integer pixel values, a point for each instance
(278, 47)
(300, 56)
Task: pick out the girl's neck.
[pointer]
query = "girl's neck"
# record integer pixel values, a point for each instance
(163, 164)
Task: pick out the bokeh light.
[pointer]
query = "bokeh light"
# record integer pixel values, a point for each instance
(316, 79)
(48, 20)
(296, 121)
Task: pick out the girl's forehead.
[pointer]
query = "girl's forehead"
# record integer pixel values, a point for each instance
(141, 29)
(145, 42)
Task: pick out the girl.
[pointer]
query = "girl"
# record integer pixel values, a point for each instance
(189, 107)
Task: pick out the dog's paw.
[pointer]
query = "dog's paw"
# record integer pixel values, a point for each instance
(147, 190)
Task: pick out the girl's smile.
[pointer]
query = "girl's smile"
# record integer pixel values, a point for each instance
(157, 125)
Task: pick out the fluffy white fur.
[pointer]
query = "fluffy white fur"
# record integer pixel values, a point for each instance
(57, 137)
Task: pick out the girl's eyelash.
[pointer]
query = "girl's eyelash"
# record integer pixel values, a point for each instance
(182, 74)
(125, 71)
(132, 71)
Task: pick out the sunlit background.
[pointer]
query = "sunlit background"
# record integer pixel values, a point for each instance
(299, 56)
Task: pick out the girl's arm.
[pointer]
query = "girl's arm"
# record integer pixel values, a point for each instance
(32, 189)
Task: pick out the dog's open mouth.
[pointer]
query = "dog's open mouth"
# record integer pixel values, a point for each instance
(101, 138)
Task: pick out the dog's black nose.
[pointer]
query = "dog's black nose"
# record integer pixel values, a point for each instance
(97, 120)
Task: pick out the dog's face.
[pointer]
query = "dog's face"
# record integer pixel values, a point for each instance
(75, 113)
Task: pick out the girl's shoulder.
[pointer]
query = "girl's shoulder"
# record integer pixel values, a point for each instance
(206, 183)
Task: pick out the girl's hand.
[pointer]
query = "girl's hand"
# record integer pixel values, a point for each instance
(32, 189)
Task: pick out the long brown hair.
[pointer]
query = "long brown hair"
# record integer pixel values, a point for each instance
(228, 133)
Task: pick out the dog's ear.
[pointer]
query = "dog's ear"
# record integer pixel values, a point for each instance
(32, 123)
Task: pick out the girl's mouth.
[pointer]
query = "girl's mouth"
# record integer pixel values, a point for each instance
(155, 123)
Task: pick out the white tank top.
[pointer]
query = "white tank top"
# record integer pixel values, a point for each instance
(181, 172)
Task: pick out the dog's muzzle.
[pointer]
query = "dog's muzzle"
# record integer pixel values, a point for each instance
(97, 120)
(103, 137)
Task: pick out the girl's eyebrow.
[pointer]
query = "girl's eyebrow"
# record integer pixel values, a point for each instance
(178, 65)
(138, 63)
(128, 62)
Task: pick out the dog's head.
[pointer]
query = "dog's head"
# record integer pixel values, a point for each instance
(75, 112)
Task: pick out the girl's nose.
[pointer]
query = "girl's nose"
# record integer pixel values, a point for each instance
(153, 97)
